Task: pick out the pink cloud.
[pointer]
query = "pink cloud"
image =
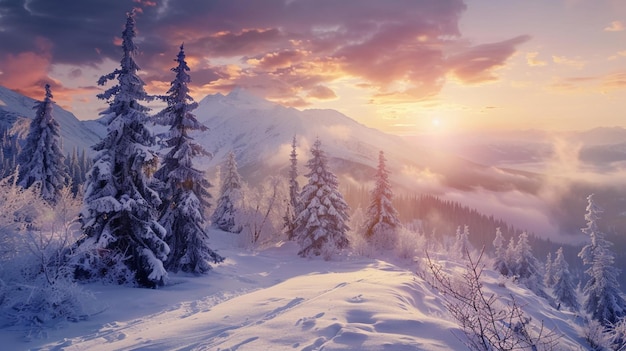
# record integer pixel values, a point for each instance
(322, 93)
(476, 64)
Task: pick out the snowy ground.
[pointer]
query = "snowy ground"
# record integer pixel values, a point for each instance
(275, 300)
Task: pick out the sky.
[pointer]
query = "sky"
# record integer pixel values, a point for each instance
(402, 66)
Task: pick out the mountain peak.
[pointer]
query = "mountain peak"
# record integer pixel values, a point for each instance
(243, 96)
(240, 97)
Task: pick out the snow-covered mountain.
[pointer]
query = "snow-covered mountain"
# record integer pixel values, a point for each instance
(260, 133)
(16, 110)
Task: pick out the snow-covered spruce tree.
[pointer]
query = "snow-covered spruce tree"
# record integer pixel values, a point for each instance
(510, 257)
(231, 197)
(41, 160)
(294, 193)
(185, 195)
(321, 224)
(123, 239)
(563, 287)
(602, 294)
(528, 268)
(381, 217)
(500, 261)
(548, 274)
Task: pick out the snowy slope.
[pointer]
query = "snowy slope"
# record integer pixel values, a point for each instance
(15, 109)
(260, 133)
(275, 300)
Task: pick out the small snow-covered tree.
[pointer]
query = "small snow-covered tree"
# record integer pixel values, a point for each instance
(462, 245)
(510, 257)
(123, 239)
(230, 199)
(563, 287)
(185, 195)
(527, 267)
(41, 160)
(321, 225)
(548, 275)
(602, 295)
(500, 262)
(381, 216)
(294, 193)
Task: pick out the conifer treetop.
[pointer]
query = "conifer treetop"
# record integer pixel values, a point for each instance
(130, 87)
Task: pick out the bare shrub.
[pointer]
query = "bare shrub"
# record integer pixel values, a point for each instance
(487, 323)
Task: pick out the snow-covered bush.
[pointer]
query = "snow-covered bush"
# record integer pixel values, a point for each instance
(261, 216)
(359, 244)
(409, 243)
(37, 289)
(617, 332)
(596, 336)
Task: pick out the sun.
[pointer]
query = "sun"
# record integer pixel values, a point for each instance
(436, 123)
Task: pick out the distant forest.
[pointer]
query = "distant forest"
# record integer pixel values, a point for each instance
(439, 218)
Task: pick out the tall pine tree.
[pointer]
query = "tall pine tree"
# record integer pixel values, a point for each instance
(41, 161)
(321, 224)
(382, 217)
(294, 192)
(231, 198)
(185, 195)
(123, 237)
(602, 295)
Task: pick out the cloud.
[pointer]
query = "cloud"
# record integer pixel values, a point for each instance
(614, 81)
(601, 83)
(282, 59)
(618, 55)
(533, 61)
(562, 60)
(615, 26)
(477, 63)
(291, 51)
(322, 93)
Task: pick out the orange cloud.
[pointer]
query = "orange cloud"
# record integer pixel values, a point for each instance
(562, 60)
(26, 73)
(274, 60)
(533, 61)
(615, 26)
(614, 81)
